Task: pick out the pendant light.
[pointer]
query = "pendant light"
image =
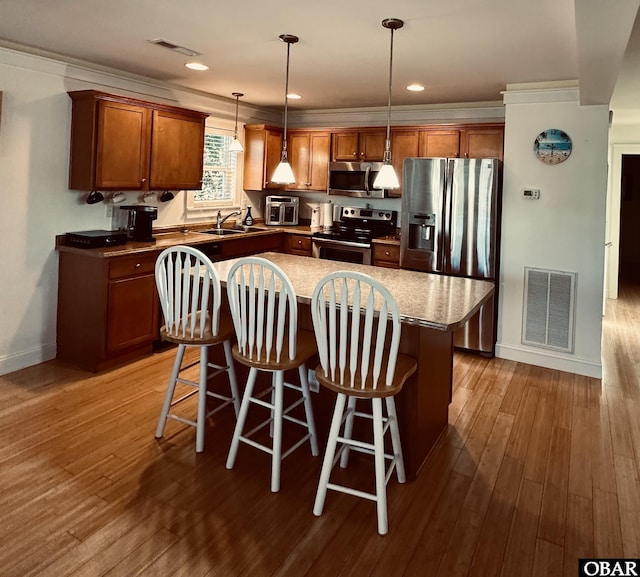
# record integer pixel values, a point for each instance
(283, 173)
(236, 145)
(387, 177)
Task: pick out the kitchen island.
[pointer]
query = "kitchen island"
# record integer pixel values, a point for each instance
(431, 307)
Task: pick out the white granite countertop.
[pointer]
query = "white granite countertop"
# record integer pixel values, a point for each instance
(431, 300)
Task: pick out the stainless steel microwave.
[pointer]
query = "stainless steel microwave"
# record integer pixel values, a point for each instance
(354, 179)
(281, 210)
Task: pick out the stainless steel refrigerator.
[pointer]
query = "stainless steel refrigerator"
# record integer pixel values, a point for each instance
(450, 225)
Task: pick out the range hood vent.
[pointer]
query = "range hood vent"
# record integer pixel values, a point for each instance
(174, 47)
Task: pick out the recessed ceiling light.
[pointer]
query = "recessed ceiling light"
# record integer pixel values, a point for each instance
(196, 66)
(294, 96)
(415, 87)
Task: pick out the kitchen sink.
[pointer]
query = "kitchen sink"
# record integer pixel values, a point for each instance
(222, 231)
(228, 231)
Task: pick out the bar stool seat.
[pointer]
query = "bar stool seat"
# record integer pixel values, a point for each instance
(357, 328)
(190, 296)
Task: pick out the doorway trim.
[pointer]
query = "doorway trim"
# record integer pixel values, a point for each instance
(612, 234)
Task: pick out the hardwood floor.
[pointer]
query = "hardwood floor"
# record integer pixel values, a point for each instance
(538, 469)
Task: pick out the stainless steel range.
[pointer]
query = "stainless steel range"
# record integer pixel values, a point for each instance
(352, 235)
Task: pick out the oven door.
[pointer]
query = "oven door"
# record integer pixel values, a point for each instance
(341, 250)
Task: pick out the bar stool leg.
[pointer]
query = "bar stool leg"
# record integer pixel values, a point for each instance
(308, 410)
(395, 439)
(381, 485)
(166, 406)
(327, 463)
(276, 458)
(242, 417)
(202, 399)
(233, 381)
(348, 430)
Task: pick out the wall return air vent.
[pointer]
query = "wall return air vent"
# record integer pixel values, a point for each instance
(549, 303)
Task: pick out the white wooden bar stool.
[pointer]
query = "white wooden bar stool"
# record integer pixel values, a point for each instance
(190, 295)
(265, 315)
(359, 359)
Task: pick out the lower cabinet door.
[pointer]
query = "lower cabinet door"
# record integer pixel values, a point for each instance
(132, 312)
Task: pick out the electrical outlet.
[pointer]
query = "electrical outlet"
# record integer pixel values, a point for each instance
(314, 385)
(109, 211)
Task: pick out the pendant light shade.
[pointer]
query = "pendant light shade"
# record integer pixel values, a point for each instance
(283, 173)
(387, 177)
(236, 145)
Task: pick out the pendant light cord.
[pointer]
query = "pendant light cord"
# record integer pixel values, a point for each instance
(387, 146)
(286, 91)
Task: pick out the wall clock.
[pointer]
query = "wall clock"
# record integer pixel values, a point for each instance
(552, 146)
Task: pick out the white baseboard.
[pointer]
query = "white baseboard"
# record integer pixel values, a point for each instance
(550, 360)
(24, 359)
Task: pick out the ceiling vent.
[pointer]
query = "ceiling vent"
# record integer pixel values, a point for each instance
(174, 47)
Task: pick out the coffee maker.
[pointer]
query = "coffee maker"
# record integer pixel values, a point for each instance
(139, 222)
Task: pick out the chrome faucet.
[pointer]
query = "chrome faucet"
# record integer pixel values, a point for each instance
(220, 219)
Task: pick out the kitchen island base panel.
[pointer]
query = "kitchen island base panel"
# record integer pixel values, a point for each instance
(423, 403)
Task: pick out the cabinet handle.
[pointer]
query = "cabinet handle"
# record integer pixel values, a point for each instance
(386, 252)
(299, 242)
(307, 184)
(138, 265)
(143, 180)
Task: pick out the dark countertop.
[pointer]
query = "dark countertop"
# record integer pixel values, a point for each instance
(165, 239)
(194, 236)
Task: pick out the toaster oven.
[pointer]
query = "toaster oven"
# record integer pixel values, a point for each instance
(281, 210)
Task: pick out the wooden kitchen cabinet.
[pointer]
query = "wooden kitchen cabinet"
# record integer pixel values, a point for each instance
(386, 255)
(299, 244)
(482, 142)
(404, 144)
(120, 143)
(239, 246)
(309, 159)
(262, 153)
(439, 143)
(108, 309)
(352, 146)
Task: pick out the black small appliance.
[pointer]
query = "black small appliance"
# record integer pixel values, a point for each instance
(95, 238)
(141, 217)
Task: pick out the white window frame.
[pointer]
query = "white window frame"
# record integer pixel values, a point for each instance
(199, 208)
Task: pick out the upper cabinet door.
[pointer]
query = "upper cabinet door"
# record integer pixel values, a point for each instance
(344, 146)
(177, 146)
(404, 144)
(262, 152)
(371, 146)
(439, 143)
(122, 155)
(309, 158)
(482, 143)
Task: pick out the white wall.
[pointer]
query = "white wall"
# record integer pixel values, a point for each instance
(36, 202)
(564, 230)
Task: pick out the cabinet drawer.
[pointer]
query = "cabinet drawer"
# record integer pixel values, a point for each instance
(296, 244)
(386, 255)
(132, 266)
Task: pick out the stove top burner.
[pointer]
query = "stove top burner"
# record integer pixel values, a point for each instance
(361, 226)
